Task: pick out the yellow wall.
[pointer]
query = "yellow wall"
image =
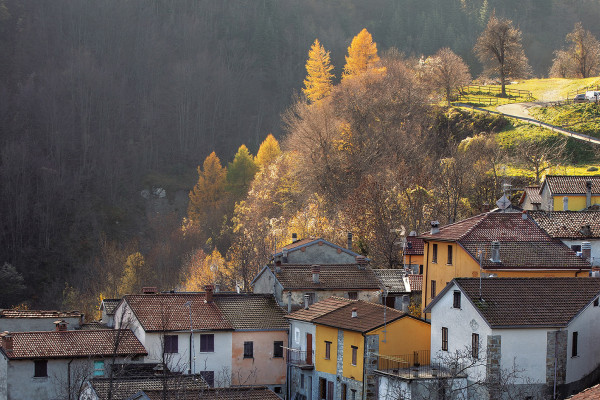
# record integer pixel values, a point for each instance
(349, 370)
(325, 333)
(536, 274)
(403, 336)
(413, 259)
(576, 203)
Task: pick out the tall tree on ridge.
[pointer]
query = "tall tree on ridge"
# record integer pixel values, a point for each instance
(240, 173)
(500, 50)
(362, 55)
(318, 82)
(268, 152)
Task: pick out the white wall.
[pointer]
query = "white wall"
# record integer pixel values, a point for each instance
(298, 331)
(524, 350)
(587, 325)
(595, 248)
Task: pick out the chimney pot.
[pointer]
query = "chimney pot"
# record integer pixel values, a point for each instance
(435, 227)
(524, 215)
(354, 312)
(208, 293)
(306, 301)
(7, 341)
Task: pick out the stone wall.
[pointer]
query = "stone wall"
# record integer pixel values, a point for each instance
(556, 344)
(494, 359)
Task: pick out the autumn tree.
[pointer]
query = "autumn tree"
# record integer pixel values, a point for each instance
(268, 152)
(240, 173)
(135, 274)
(446, 71)
(500, 51)
(362, 55)
(581, 58)
(318, 82)
(203, 269)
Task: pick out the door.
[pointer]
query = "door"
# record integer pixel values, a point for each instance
(309, 348)
(329, 390)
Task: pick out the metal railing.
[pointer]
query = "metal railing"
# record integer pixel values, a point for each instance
(417, 365)
(300, 357)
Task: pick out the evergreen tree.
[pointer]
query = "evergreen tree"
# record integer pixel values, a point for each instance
(209, 192)
(240, 173)
(317, 84)
(268, 151)
(362, 55)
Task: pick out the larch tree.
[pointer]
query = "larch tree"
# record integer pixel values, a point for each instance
(203, 269)
(362, 55)
(318, 82)
(500, 51)
(581, 58)
(135, 274)
(446, 71)
(240, 173)
(209, 191)
(268, 152)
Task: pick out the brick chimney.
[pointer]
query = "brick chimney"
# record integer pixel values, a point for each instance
(316, 270)
(7, 341)
(208, 293)
(354, 312)
(149, 290)
(60, 325)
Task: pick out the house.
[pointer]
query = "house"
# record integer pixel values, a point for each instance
(37, 320)
(401, 289)
(566, 192)
(98, 388)
(498, 244)
(413, 254)
(314, 251)
(49, 365)
(579, 230)
(227, 338)
(238, 393)
(333, 344)
(530, 199)
(293, 284)
(107, 307)
(544, 329)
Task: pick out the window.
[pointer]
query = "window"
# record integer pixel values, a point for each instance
(434, 253)
(98, 368)
(432, 289)
(302, 381)
(40, 368)
(574, 345)
(327, 350)
(456, 303)
(277, 389)
(209, 377)
(354, 355)
(576, 248)
(596, 301)
(353, 396)
(344, 391)
(278, 349)
(475, 346)
(171, 344)
(445, 339)
(207, 343)
(353, 295)
(248, 349)
(449, 254)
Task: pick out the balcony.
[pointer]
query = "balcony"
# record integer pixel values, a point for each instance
(301, 359)
(417, 365)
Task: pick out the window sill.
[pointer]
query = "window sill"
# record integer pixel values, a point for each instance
(248, 358)
(40, 378)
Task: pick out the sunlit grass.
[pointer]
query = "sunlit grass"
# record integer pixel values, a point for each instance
(555, 88)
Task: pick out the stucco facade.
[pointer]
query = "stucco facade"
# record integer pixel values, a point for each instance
(29, 324)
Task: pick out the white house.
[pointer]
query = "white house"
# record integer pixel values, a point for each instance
(545, 329)
(49, 365)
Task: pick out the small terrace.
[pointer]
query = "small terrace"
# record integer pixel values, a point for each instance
(300, 358)
(416, 365)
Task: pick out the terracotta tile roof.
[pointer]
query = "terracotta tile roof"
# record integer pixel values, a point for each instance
(331, 276)
(251, 311)
(232, 393)
(570, 184)
(167, 311)
(592, 393)
(393, 280)
(416, 282)
(109, 305)
(533, 192)
(530, 301)
(39, 314)
(124, 388)
(80, 343)
(319, 309)
(568, 224)
(414, 246)
(369, 316)
(523, 244)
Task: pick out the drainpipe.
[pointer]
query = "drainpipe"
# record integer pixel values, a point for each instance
(555, 362)
(425, 278)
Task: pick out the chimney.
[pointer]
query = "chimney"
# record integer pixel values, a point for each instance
(361, 261)
(306, 301)
(435, 227)
(565, 203)
(524, 215)
(586, 251)
(405, 303)
(495, 251)
(217, 288)
(285, 255)
(60, 325)
(294, 237)
(208, 293)
(354, 312)
(588, 194)
(149, 290)
(289, 302)
(315, 273)
(349, 240)
(7, 341)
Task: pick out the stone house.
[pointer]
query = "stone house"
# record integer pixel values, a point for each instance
(314, 251)
(540, 327)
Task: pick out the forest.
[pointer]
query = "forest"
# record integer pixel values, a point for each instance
(110, 113)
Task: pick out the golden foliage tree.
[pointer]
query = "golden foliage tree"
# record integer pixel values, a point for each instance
(318, 82)
(268, 151)
(362, 55)
(203, 269)
(134, 275)
(240, 172)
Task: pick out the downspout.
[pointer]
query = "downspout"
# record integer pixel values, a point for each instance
(364, 383)
(69, 379)
(425, 277)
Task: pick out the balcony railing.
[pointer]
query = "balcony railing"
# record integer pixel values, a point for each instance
(417, 365)
(301, 358)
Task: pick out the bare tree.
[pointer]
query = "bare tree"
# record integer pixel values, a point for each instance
(500, 51)
(446, 71)
(581, 58)
(539, 155)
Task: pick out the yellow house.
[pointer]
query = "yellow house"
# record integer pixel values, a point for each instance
(348, 336)
(494, 244)
(569, 193)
